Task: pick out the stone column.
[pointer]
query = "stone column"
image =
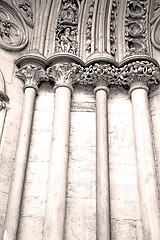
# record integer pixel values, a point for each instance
(31, 76)
(102, 75)
(141, 74)
(102, 165)
(57, 181)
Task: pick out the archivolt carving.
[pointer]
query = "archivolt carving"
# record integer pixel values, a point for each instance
(13, 33)
(89, 27)
(113, 27)
(26, 10)
(136, 27)
(67, 27)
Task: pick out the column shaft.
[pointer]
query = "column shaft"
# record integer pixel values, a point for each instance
(102, 166)
(16, 190)
(146, 168)
(55, 209)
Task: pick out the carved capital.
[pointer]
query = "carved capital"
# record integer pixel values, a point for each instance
(100, 75)
(65, 74)
(31, 75)
(140, 73)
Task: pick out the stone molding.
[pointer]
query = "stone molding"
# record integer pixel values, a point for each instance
(13, 31)
(66, 70)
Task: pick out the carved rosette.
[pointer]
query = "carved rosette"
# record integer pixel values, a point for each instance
(32, 76)
(65, 74)
(67, 27)
(142, 72)
(24, 6)
(13, 32)
(136, 35)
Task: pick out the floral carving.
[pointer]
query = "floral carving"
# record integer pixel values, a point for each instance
(32, 76)
(109, 75)
(136, 27)
(66, 31)
(139, 71)
(99, 74)
(89, 27)
(13, 34)
(113, 27)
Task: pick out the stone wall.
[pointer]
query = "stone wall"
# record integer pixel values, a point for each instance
(11, 128)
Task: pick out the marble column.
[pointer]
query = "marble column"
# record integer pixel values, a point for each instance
(145, 161)
(102, 165)
(30, 75)
(57, 181)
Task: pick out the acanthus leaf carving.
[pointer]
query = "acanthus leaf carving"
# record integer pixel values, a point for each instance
(65, 73)
(32, 76)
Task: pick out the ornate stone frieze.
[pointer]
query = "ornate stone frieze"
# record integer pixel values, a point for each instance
(104, 74)
(67, 27)
(89, 27)
(26, 10)
(113, 27)
(13, 33)
(136, 34)
(144, 72)
(99, 74)
(32, 76)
